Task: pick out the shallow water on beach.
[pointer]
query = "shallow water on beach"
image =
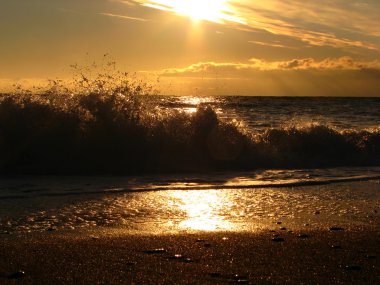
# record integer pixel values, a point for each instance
(245, 201)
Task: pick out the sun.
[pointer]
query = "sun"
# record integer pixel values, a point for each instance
(211, 10)
(217, 11)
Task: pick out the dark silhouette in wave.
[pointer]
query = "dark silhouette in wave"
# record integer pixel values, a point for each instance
(109, 129)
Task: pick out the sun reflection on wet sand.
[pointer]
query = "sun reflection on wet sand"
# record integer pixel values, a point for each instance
(203, 210)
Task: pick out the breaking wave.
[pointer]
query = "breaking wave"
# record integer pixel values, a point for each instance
(108, 126)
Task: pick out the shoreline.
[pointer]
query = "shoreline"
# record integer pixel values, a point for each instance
(115, 257)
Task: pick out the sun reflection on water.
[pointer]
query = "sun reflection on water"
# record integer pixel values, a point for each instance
(203, 210)
(191, 103)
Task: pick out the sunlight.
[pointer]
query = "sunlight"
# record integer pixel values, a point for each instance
(201, 10)
(204, 210)
(191, 103)
(217, 11)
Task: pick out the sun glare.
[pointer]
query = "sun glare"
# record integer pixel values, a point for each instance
(216, 11)
(205, 210)
(211, 10)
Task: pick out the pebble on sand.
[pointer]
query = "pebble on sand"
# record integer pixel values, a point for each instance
(353, 267)
(187, 260)
(336, 229)
(182, 258)
(238, 276)
(17, 275)
(155, 251)
(240, 279)
(176, 256)
(277, 239)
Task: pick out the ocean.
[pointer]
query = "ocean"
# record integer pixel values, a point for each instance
(171, 164)
(261, 113)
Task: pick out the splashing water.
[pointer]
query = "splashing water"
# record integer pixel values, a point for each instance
(111, 122)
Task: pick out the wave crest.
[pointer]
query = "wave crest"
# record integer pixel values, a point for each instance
(105, 128)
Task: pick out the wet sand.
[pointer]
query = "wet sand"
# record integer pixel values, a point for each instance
(115, 257)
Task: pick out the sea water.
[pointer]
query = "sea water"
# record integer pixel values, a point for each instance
(216, 200)
(261, 113)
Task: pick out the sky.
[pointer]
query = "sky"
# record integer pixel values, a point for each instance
(200, 47)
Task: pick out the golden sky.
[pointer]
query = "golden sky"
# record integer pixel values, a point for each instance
(203, 47)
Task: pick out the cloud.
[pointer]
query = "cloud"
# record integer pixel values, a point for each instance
(343, 63)
(127, 2)
(339, 23)
(270, 44)
(123, 17)
(300, 77)
(130, 3)
(241, 70)
(343, 24)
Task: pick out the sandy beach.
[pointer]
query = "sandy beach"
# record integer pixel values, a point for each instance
(327, 234)
(113, 257)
